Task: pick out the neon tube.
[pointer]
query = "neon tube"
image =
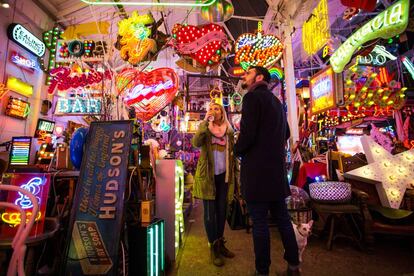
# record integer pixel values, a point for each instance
(144, 3)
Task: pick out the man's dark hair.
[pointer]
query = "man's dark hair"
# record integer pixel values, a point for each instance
(262, 71)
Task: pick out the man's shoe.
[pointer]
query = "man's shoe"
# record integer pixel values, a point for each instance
(215, 253)
(293, 271)
(223, 250)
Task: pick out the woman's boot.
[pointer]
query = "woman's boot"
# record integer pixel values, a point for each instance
(223, 250)
(215, 253)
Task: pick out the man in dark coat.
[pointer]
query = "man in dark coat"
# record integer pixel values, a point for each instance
(264, 186)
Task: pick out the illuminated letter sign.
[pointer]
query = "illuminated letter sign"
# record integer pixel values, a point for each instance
(23, 62)
(97, 211)
(377, 57)
(389, 23)
(26, 39)
(257, 50)
(323, 91)
(78, 106)
(147, 92)
(17, 108)
(315, 32)
(44, 127)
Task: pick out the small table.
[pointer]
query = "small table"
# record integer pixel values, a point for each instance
(333, 213)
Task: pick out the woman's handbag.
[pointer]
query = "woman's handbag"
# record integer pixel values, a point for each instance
(237, 217)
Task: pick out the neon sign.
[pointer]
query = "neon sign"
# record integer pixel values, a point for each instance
(37, 184)
(20, 151)
(377, 57)
(26, 39)
(315, 31)
(78, 106)
(17, 108)
(19, 86)
(24, 62)
(409, 65)
(389, 23)
(323, 91)
(147, 92)
(44, 127)
(135, 42)
(258, 49)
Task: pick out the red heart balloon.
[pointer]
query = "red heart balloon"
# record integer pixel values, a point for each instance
(147, 92)
(205, 43)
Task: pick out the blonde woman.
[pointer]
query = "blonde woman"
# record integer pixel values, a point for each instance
(214, 178)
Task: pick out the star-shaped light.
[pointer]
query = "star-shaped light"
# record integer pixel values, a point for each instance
(392, 174)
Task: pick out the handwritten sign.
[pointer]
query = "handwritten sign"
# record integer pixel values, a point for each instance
(96, 221)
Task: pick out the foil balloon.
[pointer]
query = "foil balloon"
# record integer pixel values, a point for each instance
(76, 146)
(220, 11)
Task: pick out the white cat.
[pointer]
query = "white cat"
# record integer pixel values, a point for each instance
(302, 232)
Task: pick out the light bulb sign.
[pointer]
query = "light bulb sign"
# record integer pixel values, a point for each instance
(323, 87)
(387, 24)
(85, 50)
(23, 62)
(78, 106)
(147, 92)
(26, 39)
(392, 174)
(257, 49)
(36, 183)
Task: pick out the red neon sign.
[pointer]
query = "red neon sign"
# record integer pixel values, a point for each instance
(147, 92)
(36, 183)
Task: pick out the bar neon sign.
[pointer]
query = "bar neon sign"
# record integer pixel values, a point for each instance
(389, 23)
(78, 106)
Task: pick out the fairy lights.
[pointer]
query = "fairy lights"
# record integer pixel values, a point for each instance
(257, 49)
(135, 42)
(206, 44)
(315, 31)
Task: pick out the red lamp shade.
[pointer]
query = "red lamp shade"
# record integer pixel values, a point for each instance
(366, 5)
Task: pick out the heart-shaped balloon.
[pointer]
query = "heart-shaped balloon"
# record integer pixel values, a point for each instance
(205, 44)
(257, 50)
(147, 92)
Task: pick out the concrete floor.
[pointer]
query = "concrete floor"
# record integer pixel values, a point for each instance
(392, 256)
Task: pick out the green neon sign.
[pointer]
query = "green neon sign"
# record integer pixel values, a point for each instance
(389, 23)
(150, 3)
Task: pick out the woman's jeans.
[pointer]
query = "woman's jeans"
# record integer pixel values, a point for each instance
(258, 212)
(215, 210)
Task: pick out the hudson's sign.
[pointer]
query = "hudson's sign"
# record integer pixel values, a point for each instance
(26, 39)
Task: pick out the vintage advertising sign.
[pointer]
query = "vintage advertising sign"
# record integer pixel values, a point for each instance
(96, 221)
(389, 23)
(323, 91)
(26, 39)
